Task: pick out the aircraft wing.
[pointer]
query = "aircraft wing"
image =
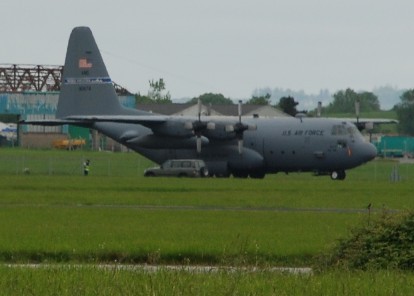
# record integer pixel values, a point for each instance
(368, 123)
(88, 119)
(371, 120)
(51, 122)
(146, 120)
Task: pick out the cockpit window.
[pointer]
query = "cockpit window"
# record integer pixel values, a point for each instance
(346, 130)
(354, 132)
(339, 130)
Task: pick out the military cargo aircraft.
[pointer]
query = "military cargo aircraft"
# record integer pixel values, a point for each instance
(238, 146)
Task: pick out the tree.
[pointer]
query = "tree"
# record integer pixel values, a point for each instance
(259, 100)
(368, 101)
(210, 98)
(405, 113)
(344, 102)
(156, 94)
(288, 105)
(140, 99)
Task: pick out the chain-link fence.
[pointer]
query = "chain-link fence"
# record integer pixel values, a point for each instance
(132, 164)
(101, 164)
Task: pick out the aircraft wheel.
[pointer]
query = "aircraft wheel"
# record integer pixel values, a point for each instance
(257, 175)
(240, 174)
(224, 175)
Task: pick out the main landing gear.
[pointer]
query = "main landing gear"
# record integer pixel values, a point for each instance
(246, 174)
(338, 175)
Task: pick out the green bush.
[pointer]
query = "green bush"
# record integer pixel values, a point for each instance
(385, 243)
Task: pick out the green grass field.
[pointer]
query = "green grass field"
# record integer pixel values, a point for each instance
(56, 215)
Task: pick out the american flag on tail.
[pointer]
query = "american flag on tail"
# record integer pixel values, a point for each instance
(84, 63)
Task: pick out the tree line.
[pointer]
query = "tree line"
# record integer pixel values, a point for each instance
(343, 102)
(157, 94)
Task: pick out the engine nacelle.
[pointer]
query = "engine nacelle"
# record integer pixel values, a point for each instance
(162, 142)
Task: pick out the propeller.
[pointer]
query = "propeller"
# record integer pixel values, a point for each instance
(359, 125)
(239, 128)
(198, 127)
(319, 111)
(357, 107)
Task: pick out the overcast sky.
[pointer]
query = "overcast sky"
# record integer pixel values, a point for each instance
(224, 46)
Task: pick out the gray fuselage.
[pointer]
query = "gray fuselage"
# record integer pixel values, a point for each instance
(277, 145)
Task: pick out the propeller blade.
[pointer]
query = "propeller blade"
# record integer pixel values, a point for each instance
(240, 144)
(198, 143)
(240, 110)
(199, 109)
(357, 104)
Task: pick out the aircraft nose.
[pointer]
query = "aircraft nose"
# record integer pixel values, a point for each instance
(370, 152)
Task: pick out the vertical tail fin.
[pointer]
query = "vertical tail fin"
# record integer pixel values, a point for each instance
(86, 87)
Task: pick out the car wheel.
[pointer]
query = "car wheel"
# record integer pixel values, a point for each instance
(338, 175)
(203, 172)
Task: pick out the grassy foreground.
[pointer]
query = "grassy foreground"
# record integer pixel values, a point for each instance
(114, 281)
(56, 215)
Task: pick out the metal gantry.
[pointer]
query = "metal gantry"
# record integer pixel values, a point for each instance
(37, 78)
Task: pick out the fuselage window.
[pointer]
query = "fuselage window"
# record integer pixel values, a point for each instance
(341, 144)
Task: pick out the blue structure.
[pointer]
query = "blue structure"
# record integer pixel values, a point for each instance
(37, 105)
(395, 146)
(40, 103)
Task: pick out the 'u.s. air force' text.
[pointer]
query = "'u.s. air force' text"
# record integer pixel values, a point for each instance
(302, 133)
